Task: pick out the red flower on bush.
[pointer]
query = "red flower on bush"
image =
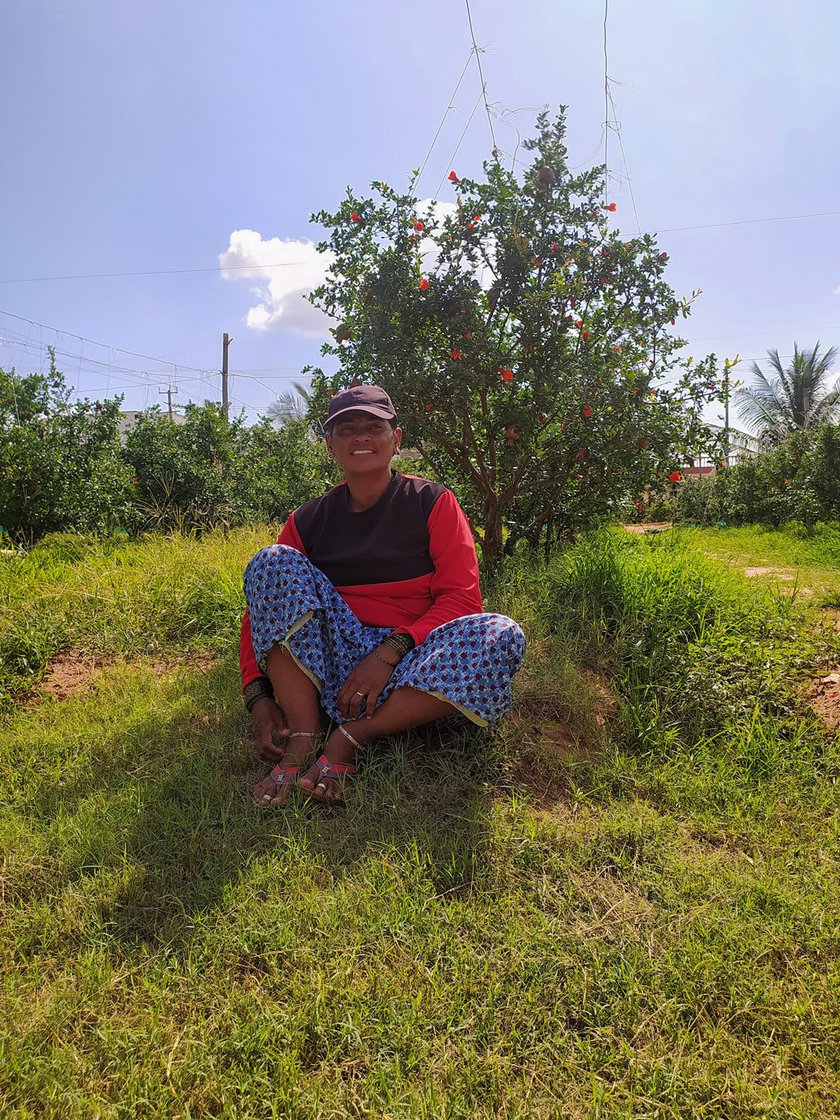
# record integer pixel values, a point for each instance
(423, 285)
(419, 225)
(507, 374)
(675, 476)
(354, 217)
(581, 454)
(430, 408)
(452, 177)
(554, 247)
(455, 355)
(640, 506)
(611, 206)
(663, 257)
(586, 411)
(584, 335)
(579, 323)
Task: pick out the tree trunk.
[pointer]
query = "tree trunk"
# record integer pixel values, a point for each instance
(492, 543)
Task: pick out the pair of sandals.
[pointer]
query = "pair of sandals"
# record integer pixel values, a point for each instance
(340, 772)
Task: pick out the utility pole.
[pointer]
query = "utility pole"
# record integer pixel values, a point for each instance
(169, 391)
(726, 413)
(226, 341)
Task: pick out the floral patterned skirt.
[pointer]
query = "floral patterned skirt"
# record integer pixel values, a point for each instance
(468, 662)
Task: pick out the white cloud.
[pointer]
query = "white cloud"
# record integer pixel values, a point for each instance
(836, 291)
(287, 271)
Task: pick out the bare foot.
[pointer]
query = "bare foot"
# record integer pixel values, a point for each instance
(318, 781)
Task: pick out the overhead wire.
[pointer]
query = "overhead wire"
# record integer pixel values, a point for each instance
(450, 106)
(154, 272)
(477, 52)
(458, 145)
(104, 345)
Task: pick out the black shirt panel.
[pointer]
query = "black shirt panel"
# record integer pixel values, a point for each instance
(387, 543)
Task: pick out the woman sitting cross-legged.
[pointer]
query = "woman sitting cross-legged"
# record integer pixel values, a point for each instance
(367, 609)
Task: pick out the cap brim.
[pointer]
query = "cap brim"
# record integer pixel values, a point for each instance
(371, 410)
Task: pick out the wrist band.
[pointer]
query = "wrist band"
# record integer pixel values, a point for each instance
(379, 657)
(256, 690)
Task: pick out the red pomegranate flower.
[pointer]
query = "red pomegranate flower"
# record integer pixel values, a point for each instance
(675, 476)
(586, 411)
(611, 206)
(453, 178)
(455, 355)
(419, 225)
(584, 335)
(554, 247)
(507, 374)
(423, 285)
(354, 217)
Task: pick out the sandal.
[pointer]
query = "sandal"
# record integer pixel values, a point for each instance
(286, 776)
(340, 772)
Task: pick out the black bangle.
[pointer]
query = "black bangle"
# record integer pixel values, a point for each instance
(400, 643)
(255, 690)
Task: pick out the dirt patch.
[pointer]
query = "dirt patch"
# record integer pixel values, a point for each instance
(825, 699)
(69, 672)
(653, 527)
(776, 573)
(548, 747)
(73, 672)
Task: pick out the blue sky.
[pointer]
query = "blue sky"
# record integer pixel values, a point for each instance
(139, 136)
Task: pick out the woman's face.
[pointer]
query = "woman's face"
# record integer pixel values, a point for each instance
(360, 443)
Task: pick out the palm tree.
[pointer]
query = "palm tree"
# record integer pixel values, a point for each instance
(791, 399)
(290, 405)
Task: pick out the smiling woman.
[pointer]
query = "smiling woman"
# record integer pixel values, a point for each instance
(367, 610)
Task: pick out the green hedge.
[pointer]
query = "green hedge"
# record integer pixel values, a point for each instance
(798, 481)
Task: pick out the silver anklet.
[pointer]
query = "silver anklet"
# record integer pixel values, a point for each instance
(347, 735)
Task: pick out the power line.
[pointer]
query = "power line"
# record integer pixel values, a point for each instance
(106, 345)
(446, 112)
(752, 221)
(155, 272)
(477, 53)
(458, 145)
(606, 104)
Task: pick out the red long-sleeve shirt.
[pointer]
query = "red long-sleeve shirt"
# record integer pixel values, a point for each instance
(416, 529)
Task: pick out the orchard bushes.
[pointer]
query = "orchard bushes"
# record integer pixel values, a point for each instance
(67, 466)
(798, 481)
(210, 471)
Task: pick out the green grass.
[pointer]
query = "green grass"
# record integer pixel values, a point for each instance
(648, 929)
(813, 557)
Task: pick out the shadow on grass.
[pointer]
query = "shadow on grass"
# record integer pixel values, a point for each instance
(153, 814)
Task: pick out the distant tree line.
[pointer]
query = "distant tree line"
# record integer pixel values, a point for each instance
(65, 465)
(799, 480)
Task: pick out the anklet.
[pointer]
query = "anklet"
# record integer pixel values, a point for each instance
(347, 735)
(304, 735)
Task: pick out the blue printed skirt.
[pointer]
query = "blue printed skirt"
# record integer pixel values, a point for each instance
(468, 662)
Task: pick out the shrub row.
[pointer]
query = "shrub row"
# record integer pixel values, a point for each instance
(797, 481)
(68, 467)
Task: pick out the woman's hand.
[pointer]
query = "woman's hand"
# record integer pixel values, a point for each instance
(366, 683)
(268, 722)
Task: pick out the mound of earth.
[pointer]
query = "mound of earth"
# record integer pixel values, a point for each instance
(825, 699)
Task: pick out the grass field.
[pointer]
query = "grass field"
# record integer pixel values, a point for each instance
(622, 904)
